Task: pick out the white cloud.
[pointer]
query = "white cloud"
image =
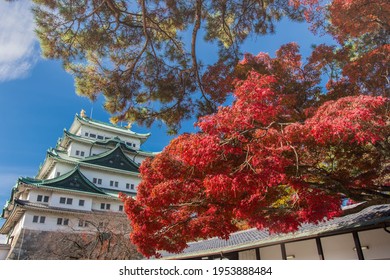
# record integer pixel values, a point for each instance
(18, 44)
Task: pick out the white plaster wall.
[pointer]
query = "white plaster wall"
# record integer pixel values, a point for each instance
(54, 201)
(114, 207)
(339, 247)
(101, 132)
(271, 253)
(107, 176)
(78, 146)
(247, 255)
(378, 242)
(24, 195)
(33, 195)
(302, 250)
(59, 167)
(49, 225)
(51, 222)
(18, 227)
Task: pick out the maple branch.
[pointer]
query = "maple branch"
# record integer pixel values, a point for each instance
(166, 229)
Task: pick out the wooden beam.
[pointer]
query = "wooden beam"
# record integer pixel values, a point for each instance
(283, 249)
(319, 249)
(258, 254)
(358, 246)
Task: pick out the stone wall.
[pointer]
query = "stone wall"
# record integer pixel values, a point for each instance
(46, 245)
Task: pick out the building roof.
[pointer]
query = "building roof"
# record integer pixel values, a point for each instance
(110, 141)
(251, 238)
(110, 127)
(41, 206)
(115, 158)
(54, 155)
(73, 180)
(20, 206)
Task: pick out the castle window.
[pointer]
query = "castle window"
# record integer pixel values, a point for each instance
(111, 183)
(94, 180)
(62, 200)
(83, 223)
(82, 153)
(100, 137)
(62, 222)
(86, 134)
(69, 201)
(77, 152)
(116, 184)
(58, 174)
(39, 198)
(42, 219)
(92, 135)
(99, 181)
(120, 208)
(81, 202)
(46, 198)
(106, 206)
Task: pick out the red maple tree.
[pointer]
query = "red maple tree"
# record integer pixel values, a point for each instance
(284, 153)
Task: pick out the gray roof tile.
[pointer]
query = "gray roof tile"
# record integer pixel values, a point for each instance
(252, 237)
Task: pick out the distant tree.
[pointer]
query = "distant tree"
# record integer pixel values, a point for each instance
(103, 237)
(281, 155)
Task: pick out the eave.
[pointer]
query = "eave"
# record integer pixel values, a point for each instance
(109, 127)
(10, 222)
(115, 157)
(73, 180)
(362, 220)
(65, 191)
(53, 157)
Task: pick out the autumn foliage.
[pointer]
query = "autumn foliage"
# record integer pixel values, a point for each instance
(288, 150)
(281, 155)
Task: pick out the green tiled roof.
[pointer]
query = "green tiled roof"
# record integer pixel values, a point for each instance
(73, 180)
(115, 193)
(113, 159)
(106, 142)
(105, 124)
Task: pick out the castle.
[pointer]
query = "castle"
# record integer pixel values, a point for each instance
(76, 188)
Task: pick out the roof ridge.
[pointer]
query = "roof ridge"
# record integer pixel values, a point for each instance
(45, 182)
(108, 153)
(108, 124)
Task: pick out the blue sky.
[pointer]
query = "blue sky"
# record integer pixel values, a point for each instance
(38, 100)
